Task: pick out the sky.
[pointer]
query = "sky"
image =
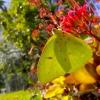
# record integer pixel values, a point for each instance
(7, 2)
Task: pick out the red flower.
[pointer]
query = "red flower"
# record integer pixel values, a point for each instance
(35, 33)
(76, 20)
(81, 20)
(43, 12)
(35, 2)
(49, 27)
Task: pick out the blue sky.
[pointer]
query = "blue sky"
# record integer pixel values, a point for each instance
(7, 2)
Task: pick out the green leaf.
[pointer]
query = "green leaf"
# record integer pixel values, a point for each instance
(62, 54)
(37, 95)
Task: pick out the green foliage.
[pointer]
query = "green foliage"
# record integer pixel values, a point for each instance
(81, 1)
(1, 2)
(16, 31)
(2, 7)
(62, 54)
(36, 95)
(14, 25)
(20, 95)
(13, 68)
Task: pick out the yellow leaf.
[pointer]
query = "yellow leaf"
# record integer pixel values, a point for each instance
(59, 80)
(67, 98)
(53, 91)
(84, 77)
(98, 69)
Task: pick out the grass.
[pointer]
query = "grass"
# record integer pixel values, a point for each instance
(20, 95)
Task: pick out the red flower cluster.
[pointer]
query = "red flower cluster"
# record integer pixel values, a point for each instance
(49, 27)
(35, 2)
(77, 20)
(35, 33)
(43, 12)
